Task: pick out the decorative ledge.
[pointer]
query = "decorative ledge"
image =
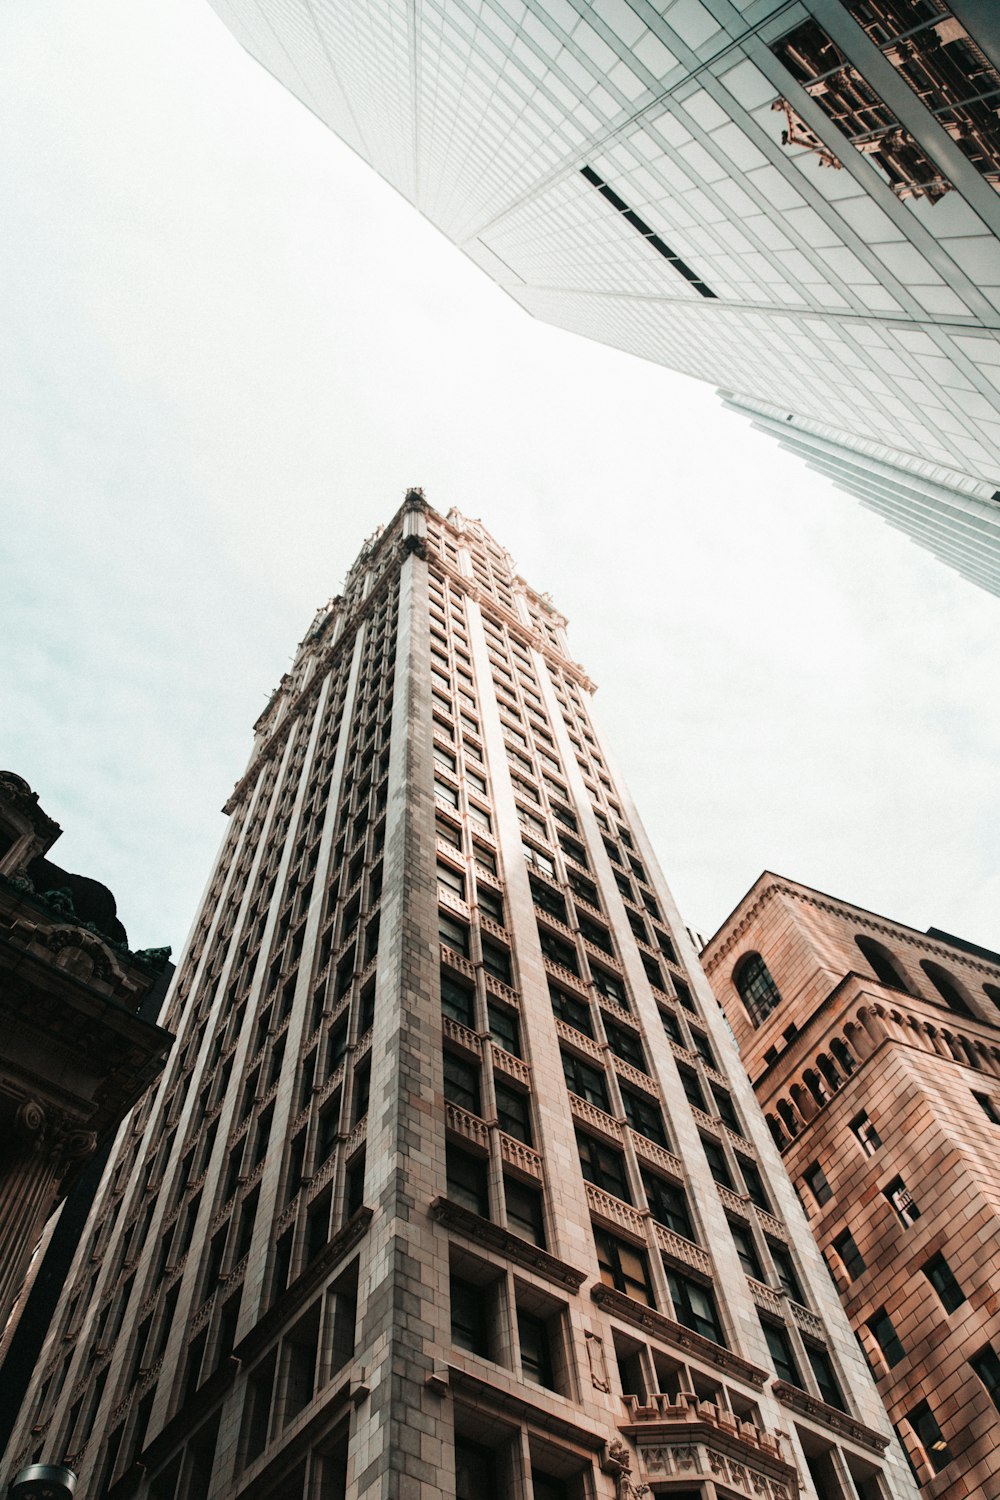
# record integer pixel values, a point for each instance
(829, 1416)
(649, 1320)
(519, 1156)
(695, 1439)
(496, 1397)
(532, 1257)
(616, 1212)
(684, 1250)
(589, 1114)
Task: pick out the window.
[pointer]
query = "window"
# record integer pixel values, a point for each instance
(785, 1269)
(692, 1088)
(899, 1196)
(668, 1204)
(881, 1328)
(883, 964)
(496, 961)
(988, 1106)
(725, 1108)
(626, 1044)
(475, 1471)
(490, 903)
(754, 1185)
(644, 1116)
(446, 793)
(547, 899)
(461, 1083)
(609, 985)
(694, 1306)
(539, 860)
(525, 1215)
(938, 1273)
(746, 1250)
(815, 1180)
(702, 1046)
(574, 1012)
(458, 1000)
(826, 1380)
(594, 933)
(513, 1112)
(583, 888)
(448, 833)
(925, 1427)
(445, 758)
(755, 987)
(536, 1349)
(585, 1080)
(865, 1133)
(453, 934)
(672, 1027)
(558, 951)
(782, 1355)
(717, 1164)
(451, 879)
(623, 1267)
(850, 1256)
(467, 1180)
(504, 1028)
(603, 1166)
(947, 988)
(470, 1327)
(987, 1366)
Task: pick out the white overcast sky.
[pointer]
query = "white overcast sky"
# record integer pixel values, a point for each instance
(227, 349)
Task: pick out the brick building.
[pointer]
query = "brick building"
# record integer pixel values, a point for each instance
(875, 1053)
(455, 1188)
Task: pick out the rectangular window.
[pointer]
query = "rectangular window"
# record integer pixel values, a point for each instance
(475, 1471)
(490, 903)
(694, 1306)
(448, 833)
(815, 1180)
(717, 1164)
(548, 899)
(782, 1354)
(536, 1349)
(453, 880)
(467, 1180)
(692, 1088)
(558, 951)
(785, 1268)
(585, 1080)
(988, 1106)
(754, 1184)
(458, 1000)
(850, 1256)
(446, 793)
(574, 1012)
(470, 1326)
(938, 1273)
(461, 1083)
(899, 1196)
(525, 1214)
(826, 1380)
(672, 1027)
(987, 1366)
(623, 1267)
(594, 933)
(626, 1044)
(668, 1204)
(880, 1326)
(454, 934)
(865, 1133)
(925, 1427)
(645, 1117)
(603, 1166)
(513, 1112)
(746, 1250)
(504, 1028)
(609, 985)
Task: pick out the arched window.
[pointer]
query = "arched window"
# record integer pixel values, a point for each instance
(992, 992)
(884, 966)
(947, 988)
(755, 987)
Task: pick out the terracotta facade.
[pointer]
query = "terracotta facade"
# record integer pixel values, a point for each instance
(874, 1050)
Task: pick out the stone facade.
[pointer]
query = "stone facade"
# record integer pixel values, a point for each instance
(74, 1055)
(455, 1188)
(875, 1053)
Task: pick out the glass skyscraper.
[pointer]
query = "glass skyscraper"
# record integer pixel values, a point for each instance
(453, 1187)
(795, 201)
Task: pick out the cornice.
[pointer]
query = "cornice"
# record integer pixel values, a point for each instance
(532, 1257)
(649, 1320)
(541, 1414)
(838, 1421)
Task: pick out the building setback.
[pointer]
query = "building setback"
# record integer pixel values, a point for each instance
(455, 1186)
(875, 1051)
(797, 202)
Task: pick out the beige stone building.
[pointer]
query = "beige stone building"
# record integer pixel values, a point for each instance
(455, 1188)
(875, 1052)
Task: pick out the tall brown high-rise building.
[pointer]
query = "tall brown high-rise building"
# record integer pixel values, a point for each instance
(455, 1188)
(875, 1050)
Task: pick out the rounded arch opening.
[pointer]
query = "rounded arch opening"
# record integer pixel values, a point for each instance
(755, 987)
(883, 964)
(948, 988)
